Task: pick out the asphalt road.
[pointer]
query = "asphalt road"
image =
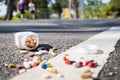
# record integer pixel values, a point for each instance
(61, 33)
(57, 25)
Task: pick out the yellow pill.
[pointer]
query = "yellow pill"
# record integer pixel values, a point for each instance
(10, 65)
(66, 54)
(39, 61)
(48, 64)
(52, 70)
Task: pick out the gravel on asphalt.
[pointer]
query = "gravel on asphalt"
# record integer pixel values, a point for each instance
(9, 53)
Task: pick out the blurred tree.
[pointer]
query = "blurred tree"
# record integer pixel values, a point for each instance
(10, 7)
(116, 4)
(75, 8)
(56, 8)
(115, 8)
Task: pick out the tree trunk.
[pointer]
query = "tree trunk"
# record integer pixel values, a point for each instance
(10, 6)
(75, 8)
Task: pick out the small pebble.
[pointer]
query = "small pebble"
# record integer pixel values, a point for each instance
(116, 73)
(22, 71)
(5, 65)
(115, 68)
(110, 73)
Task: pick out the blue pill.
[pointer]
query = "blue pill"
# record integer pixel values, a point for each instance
(44, 66)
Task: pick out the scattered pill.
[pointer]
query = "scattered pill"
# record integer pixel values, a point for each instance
(39, 61)
(80, 64)
(22, 71)
(33, 64)
(26, 65)
(10, 65)
(6, 65)
(43, 58)
(31, 58)
(67, 61)
(48, 64)
(66, 54)
(44, 66)
(19, 66)
(86, 75)
(52, 53)
(52, 70)
(64, 58)
(46, 76)
(59, 75)
(23, 52)
(91, 64)
(76, 65)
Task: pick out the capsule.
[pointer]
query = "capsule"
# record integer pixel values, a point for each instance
(67, 62)
(52, 70)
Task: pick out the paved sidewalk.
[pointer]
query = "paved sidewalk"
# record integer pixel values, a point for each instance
(105, 42)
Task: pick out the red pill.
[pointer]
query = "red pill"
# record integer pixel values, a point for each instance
(80, 64)
(91, 64)
(67, 62)
(64, 58)
(19, 66)
(87, 62)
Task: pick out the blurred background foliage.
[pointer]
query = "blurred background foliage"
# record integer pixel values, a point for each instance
(93, 9)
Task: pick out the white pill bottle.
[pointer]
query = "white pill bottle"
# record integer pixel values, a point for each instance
(26, 40)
